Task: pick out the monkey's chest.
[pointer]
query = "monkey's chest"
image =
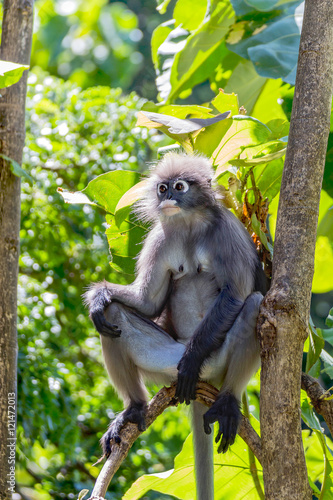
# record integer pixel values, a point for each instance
(191, 297)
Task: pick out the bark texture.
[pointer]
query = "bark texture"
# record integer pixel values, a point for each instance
(282, 324)
(206, 394)
(15, 47)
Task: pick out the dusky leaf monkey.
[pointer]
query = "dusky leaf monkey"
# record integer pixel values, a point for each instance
(191, 311)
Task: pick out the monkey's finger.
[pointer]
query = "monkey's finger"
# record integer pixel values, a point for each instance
(223, 447)
(111, 330)
(218, 436)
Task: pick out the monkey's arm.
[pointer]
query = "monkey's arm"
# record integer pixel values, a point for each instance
(208, 337)
(147, 294)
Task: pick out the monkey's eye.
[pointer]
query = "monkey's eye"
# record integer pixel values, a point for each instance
(162, 188)
(181, 186)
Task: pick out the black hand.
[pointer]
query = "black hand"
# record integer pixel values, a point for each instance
(226, 412)
(103, 326)
(188, 375)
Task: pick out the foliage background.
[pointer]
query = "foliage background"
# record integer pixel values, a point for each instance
(80, 125)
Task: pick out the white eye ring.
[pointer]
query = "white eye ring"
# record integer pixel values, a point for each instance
(162, 188)
(182, 186)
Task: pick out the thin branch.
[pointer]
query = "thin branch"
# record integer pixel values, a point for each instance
(253, 465)
(318, 397)
(206, 394)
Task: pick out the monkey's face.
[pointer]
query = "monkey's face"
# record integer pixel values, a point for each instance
(176, 196)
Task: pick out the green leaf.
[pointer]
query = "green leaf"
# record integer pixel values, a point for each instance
(125, 203)
(17, 169)
(270, 103)
(125, 243)
(189, 13)
(272, 46)
(179, 111)
(318, 460)
(308, 414)
(82, 494)
(202, 51)
(105, 190)
(244, 131)
(327, 334)
(323, 273)
(329, 319)
(328, 362)
(316, 345)
(232, 476)
(246, 83)
(208, 139)
(280, 151)
(223, 102)
(159, 36)
(268, 178)
(10, 73)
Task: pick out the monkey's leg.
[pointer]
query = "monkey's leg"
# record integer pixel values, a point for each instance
(241, 357)
(143, 350)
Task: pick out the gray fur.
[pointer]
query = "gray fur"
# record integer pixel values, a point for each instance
(186, 260)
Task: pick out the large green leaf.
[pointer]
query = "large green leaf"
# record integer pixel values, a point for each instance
(125, 243)
(203, 49)
(246, 83)
(10, 73)
(271, 43)
(232, 476)
(105, 190)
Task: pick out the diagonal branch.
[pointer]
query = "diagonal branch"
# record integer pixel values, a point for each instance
(317, 394)
(206, 394)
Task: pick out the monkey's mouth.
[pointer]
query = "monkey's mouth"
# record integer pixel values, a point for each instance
(169, 207)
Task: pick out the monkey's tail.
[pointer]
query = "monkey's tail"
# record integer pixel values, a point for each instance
(203, 454)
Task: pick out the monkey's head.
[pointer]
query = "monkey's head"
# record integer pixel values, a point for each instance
(178, 187)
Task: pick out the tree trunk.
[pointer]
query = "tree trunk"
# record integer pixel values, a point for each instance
(15, 47)
(284, 314)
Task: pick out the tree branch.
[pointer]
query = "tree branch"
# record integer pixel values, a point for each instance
(206, 394)
(317, 394)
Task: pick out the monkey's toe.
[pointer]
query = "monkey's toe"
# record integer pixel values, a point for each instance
(226, 412)
(135, 413)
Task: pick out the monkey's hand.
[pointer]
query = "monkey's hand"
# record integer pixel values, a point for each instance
(226, 412)
(188, 375)
(99, 298)
(103, 326)
(135, 413)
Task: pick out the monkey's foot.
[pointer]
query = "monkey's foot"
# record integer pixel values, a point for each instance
(226, 412)
(135, 413)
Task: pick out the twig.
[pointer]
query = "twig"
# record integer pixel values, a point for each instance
(206, 394)
(317, 395)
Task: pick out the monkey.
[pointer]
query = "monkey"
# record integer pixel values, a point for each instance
(191, 311)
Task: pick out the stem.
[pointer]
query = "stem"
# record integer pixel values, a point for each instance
(252, 460)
